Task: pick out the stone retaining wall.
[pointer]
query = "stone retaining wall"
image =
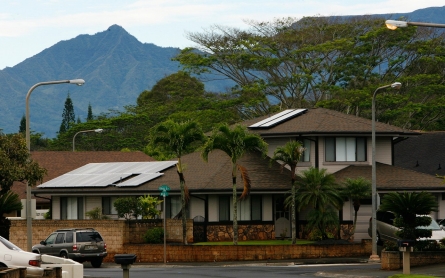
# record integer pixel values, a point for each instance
(245, 232)
(393, 260)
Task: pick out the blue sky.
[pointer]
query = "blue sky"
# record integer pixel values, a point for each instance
(29, 26)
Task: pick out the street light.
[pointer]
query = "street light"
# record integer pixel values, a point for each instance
(394, 24)
(374, 255)
(79, 82)
(99, 130)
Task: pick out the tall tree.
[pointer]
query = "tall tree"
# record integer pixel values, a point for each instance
(319, 192)
(68, 116)
(356, 190)
(290, 155)
(22, 127)
(180, 139)
(235, 142)
(90, 113)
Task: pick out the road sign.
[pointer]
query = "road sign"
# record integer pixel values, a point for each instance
(164, 190)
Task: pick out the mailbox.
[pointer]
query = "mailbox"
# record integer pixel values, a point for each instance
(125, 258)
(406, 243)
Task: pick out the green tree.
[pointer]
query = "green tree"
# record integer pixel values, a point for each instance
(127, 207)
(68, 116)
(408, 208)
(179, 139)
(22, 127)
(96, 213)
(290, 155)
(90, 116)
(149, 206)
(356, 190)
(235, 142)
(318, 191)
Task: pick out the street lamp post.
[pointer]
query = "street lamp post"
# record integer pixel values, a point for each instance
(394, 24)
(374, 255)
(98, 130)
(79, 82)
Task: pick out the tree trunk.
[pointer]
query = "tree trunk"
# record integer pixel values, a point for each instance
(184, 213)
(293, 216)
(235, 214)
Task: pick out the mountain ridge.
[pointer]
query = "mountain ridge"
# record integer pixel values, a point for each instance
(116, 68)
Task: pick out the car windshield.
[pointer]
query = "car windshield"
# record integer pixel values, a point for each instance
(9, 244)
(432, 226)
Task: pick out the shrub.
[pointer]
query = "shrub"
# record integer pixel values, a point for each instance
(96, 213)
(155, 235)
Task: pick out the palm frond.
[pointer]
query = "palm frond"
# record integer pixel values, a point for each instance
(246, 180)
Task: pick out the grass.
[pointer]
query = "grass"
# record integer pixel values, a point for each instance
(256, 242)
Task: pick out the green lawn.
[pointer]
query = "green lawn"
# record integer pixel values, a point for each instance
(255, 242)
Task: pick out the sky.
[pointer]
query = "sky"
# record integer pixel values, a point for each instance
(27, 27)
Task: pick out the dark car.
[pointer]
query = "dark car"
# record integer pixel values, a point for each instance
(80, 245)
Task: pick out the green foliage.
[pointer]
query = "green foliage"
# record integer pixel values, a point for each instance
(407, 206)
(96, 213)
(90, 116)
(154, 235)
(149, 206)
(16, 163)
(22, 127)
(127, 207)
(68, 116)
(234, 142)
(289, 155)
(48, 215)
(9, 202)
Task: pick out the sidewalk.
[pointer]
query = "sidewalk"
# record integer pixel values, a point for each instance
(437, 270)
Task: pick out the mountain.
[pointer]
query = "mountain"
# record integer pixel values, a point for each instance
(116, 68)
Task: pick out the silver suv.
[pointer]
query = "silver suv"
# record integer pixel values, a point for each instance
(81, 245)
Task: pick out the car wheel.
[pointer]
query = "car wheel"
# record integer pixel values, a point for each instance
(96, 263)
(64, 255)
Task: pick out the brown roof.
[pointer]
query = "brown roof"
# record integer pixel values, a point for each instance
(58, 163)
(324, 121)
(205, 177)
(390, 178)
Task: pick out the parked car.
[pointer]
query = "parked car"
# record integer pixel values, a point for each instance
(387, 231)
(12, 256)
(78, 244)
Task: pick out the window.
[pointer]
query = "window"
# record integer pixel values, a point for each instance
(345, 149)
(173, 207)
(256, 203)
(60, 237)
(71, 208)
(107, 205)
(69, 237)
(224, 208)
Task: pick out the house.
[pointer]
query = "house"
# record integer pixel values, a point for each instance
(60, 162)
(339, 142)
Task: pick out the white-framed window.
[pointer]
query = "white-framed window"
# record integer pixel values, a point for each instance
(248, 209)
(306, 157)
(345, 149)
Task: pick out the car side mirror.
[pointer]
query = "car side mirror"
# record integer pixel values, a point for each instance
(43, 242)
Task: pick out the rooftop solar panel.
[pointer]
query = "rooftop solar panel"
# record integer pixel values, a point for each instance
(278, 118)
(105, 174)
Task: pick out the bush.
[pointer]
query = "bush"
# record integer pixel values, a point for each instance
(96, 213)
(155, 235)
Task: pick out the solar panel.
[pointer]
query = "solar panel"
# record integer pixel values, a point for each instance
(278, 118)
(282, 113)
(139, 179)
(105, 174)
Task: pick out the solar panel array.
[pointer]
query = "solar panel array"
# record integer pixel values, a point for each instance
(278, 118)
(113, 173)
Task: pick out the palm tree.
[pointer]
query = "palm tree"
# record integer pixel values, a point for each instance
(319, 191)
(407, 206)
(355, 190)
(235, 142)
(290, 155)
(180, 139)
